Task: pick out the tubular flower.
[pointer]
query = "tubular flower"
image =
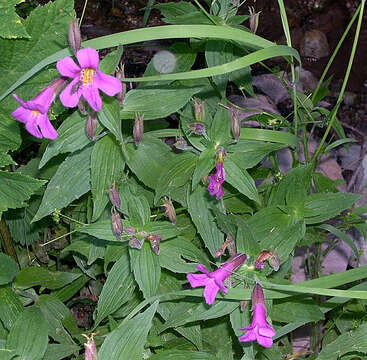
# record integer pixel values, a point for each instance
(259, 329)
(87, 80)
(214, 281)
(216, 180)
(34, 113)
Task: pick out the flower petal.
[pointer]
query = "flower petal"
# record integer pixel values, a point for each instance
(67, 67)
(249, 336)
(30, 105)
(21, 114)
(88, 58)
(93, 98)
(210, 292)
(45, 98)
(32, 128)
(47, 130)
(197, 280)
(203, 269)
(107, 83)
(69, 97)
(267, 331)
(265, 341)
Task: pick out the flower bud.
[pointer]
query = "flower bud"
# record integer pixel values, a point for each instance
(257, 295)
(90, 349)
(181, 144)
(199, 109)
(117, 227)
(155, 240)
(254, 19)
(170, 211)
(135, 243)
(197, 129)
(138, 129)
(91, 125)
(235, 123)
(81, 107)
(74, 36)
(271, 256)
(129, 230)
(114, 196)
(120, 74)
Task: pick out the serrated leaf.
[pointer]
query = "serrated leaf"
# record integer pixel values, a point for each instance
(72, 180)
(104, 173)
(15, 189)
(146, 268)
(8, 269)
(38, 276)
(72, 137)
(155, 103)
(29, 335)
(241, 180)
(183, 355)
(128, 340)
(117, 288)
(11, 25)
(10, 306)
(199, 203)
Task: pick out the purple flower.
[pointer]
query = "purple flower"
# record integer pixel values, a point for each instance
(216, 180)
(213, 281)
(259, 329)
(87, 79)
(34, 113)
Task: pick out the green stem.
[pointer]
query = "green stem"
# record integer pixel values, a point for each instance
(346, 77)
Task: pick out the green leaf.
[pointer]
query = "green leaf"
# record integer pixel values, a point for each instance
(109, 63)
(101, 230)
(15, 189)
(183, 354)
(146, 268)
(241, 180)
(104, 173)
(71, 289)
(6, 159)
(245, 239)
(60, 351)
(128, 340)
(10, 306)
(29, 335)
(155, 103)
(199, 203)
(38, 276)
(164, 228)
(11, 25)
(7, 354)
(117, 288)
(205, 163)
(8, 269)
(351, 342)
(326, 206)
(220, 128)
(9, 131)
(72, 137)
(72, 180)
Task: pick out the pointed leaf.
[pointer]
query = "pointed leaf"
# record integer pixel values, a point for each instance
(10, 306)
(11, 25)
(8, 269)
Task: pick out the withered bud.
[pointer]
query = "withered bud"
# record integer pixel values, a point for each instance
(254, 19)
(135, 243)
(155, 240)
(117, 227)
(138, 129)
(170, 210)
(199, 109)
(221, 154)
(74, 36)
(120, 74)
(235, 123)
(90, 349)
(114, 196)
(204, 179)
(243, 305)
(271, 256)
(181, 144)
(197, 129)
(129, 230)
(91, 125)
(81, 107)
(230, 244)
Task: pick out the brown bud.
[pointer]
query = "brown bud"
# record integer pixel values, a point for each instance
(117, 225)
(138, 129)
(170, 210)
(135, 243)
(155, 240)
(254, 19)
(74, 36)
(114, 196)
(129, 230)
(91, 125)
(81, 106)
(235, 123)
(199, 109)
(120, 74)
(271, 256)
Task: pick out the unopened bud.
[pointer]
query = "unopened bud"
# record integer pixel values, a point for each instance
(257, 295)
(120, 74)
(81, 107)
(197, 129)
(117, 227)
(90, 349)
(170, 210)
(135, 243)
(271, 256)
(138, 129)
(254, 19)
(243, 305)
(129, 230)
(91, 125)
(155, 240)
(114, 196)
(235, 123)
(74, 36)
(199, 109)
(221, 154)
(181, 144)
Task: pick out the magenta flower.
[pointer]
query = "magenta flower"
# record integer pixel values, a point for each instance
(213, 281)
(216, 181)
(34, 113)
(259, 329)
(87, 80)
